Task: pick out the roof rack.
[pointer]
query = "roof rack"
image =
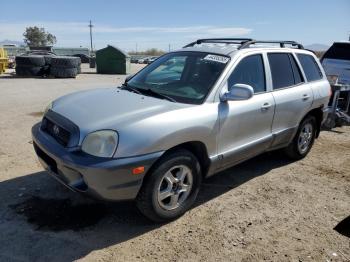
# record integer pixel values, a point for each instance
(243, 42)
(281, 43)
(238, 41)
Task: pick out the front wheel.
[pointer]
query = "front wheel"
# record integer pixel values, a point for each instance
(303, 140)
(171, 187)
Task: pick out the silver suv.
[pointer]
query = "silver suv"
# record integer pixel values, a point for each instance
(186, 116)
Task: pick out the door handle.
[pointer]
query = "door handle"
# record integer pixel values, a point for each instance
(306, 96)
(265, 106)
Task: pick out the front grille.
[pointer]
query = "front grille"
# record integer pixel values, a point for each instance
(60, 134)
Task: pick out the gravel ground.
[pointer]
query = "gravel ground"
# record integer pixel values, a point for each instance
(265, 209)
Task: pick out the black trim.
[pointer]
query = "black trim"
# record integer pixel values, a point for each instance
(50, 162)
(244, 42)
(238, 41)
(282, 43)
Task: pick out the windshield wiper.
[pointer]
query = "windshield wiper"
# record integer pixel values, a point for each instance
(148, 91)
(125, 86)
(160, 95)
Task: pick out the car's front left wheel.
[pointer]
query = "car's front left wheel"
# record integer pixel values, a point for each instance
(171, 187)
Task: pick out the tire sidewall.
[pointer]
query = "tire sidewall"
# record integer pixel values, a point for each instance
(63, 72)
(307, 120)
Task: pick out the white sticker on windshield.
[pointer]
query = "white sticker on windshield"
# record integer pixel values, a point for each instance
(217, 58)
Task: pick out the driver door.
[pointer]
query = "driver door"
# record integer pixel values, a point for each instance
(245, 126)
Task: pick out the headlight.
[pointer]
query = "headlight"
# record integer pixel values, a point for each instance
(101, 143)
(47, 108)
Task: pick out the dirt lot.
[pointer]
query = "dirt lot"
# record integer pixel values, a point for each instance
(265, 209)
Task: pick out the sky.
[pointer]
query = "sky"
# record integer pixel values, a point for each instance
(153, 23)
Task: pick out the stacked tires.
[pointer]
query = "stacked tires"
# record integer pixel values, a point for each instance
(65, 66)
(45, 65)
(33, 65)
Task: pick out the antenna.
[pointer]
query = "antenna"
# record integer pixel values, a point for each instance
(91, 26)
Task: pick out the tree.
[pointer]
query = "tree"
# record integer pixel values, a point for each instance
(35, 36)
(152, 51)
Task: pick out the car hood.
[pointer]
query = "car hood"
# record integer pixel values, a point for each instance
(109, 108)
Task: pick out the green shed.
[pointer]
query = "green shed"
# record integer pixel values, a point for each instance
(111, 60)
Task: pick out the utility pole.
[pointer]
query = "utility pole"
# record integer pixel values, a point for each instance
(169, 47)
(91, 26)
(136, 48)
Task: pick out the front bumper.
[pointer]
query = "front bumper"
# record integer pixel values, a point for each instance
(102, 178)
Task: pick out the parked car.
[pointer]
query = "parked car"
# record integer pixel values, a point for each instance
(336, 63)
(142, 60)
(188, 115)
(134, 59)
(84, 58)
(11, 62)
(150, 59)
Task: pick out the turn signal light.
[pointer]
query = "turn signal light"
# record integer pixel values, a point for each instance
(138, 170)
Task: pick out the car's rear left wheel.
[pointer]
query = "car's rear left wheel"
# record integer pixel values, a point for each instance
(171, 187)
(303, 140)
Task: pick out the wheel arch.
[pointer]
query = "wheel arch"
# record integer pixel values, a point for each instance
(197, 148)
(318, 114)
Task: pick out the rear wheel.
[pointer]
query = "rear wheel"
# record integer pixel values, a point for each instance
(171, 188)
(303, 140)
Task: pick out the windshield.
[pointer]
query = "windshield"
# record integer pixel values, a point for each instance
(186, 77)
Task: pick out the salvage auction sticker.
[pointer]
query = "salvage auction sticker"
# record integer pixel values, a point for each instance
(217, 58)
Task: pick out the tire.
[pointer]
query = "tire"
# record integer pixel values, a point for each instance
(25, 70)
(48, 59)
(46, 70)
(149, 201)
(65, 62)
(63, 72)
(30, 60)
(295, 151)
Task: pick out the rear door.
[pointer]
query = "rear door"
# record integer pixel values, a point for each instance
(293, 96)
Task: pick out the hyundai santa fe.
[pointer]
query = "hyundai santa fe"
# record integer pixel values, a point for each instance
(186, 116)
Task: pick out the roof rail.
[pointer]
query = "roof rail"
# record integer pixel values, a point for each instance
(238, 41)
(243, 42)
(281, 43)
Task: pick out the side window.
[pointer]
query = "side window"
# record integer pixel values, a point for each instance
(296, 71)
(249, 71)
(281, 70)
(310, 67)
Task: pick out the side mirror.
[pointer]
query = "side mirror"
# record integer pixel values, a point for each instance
(128, 77)
(237, 92)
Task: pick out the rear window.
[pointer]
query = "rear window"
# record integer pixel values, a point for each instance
(338, 51)
(281, 70)
(311, 69)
